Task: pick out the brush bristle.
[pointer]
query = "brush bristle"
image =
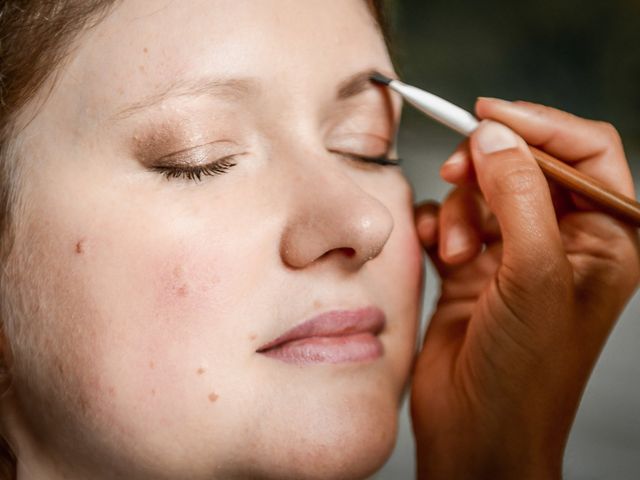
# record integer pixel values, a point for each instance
(379, 78)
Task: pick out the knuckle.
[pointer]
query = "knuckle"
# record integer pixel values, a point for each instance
(620, 265)
(605, 258)
(610, 133)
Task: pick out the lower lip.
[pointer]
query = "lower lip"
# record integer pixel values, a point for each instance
(361, 347)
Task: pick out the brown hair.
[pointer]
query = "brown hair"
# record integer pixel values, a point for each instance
(35, 38)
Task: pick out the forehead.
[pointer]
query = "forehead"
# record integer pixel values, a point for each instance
(144, 45)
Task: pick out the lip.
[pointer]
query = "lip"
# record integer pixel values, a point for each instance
(335, 336)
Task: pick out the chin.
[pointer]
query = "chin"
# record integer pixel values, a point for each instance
(346, 440)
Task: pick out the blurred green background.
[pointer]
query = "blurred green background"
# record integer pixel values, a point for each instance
(578, 55)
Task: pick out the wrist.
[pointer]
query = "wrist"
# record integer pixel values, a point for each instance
(478, 462)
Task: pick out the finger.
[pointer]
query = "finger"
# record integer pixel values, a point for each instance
(593, 147)
(461, 220)
(517, 193)
(427, 226)
(426, 219)
(458, 169)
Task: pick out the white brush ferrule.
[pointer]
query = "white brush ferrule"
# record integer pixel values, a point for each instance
(437, 108)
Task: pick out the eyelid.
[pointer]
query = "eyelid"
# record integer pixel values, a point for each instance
(361, 145)
(195, 156)
(385, 159)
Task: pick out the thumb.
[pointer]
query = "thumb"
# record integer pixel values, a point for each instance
(518, 194)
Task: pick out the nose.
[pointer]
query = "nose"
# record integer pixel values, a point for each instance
(334, 219)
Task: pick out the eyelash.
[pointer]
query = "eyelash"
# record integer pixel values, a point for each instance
(222, 165)
(196, 172)
(383, 160)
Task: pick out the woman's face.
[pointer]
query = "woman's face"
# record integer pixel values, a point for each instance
(150, 279)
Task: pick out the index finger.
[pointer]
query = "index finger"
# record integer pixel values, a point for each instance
(592, 147)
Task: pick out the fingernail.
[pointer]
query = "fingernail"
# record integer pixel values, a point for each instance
(456, 159)
(493, 99)
(457, 241)
(493, 137)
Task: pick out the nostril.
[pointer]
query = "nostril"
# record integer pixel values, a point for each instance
(348, 251)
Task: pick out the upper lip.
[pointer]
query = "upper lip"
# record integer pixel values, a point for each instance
(333, 323)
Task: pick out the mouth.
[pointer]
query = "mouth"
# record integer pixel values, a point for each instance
(336, 336)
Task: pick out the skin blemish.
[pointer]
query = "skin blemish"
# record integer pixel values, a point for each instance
(179, 288)
(80, 247)
(145, 50)
(182, 291)
(213, 397)
(253, 336)
(200, 371)
(153, 392)
(182, 286)
(152, 365)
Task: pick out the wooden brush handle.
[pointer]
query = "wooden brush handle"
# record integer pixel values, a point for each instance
(618, 205)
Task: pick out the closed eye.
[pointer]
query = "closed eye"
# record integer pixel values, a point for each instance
(196, 172)
(384, 160)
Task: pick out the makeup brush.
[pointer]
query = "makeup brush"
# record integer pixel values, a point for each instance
(463, 122)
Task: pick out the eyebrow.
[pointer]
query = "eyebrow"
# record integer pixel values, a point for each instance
(356, 84)
(233, 89)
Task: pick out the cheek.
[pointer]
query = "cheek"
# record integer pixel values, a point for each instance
(404, 253)
(401, 278)
(156, 305)
(167, 304)
(182, 283)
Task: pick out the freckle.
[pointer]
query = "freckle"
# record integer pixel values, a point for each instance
(153, 392)
(182, 291)
(152, 365)
(316, 304)
(145, 50)
(253, 336)
(141, 68)
(213, 397)
(200, 371)
(80, 247)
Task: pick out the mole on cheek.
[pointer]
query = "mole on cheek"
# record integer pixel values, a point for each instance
(200, 371)
(213, 397)
(79, 248)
